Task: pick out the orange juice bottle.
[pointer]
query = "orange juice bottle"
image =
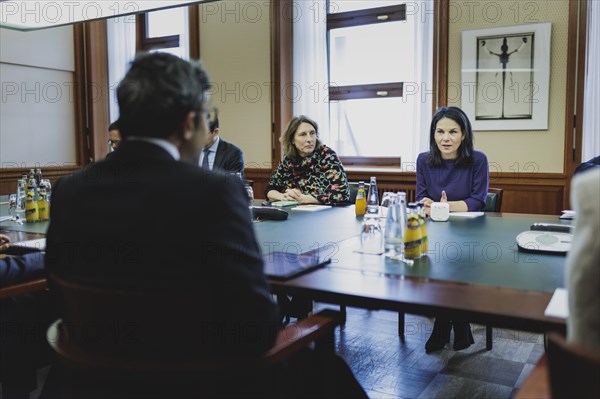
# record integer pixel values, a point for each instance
(31, 204)
(43, 205)
(412, 237)
(361, 200)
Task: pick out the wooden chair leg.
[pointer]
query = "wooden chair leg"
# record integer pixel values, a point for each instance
(401, 325)
(489, 335)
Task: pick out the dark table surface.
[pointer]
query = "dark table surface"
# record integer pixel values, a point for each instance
(473, 267)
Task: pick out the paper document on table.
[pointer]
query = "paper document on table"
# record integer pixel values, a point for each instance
(567, 214)
(559, 304)
(284, 203)
(39, 243)
(466, 214)
(310, 208)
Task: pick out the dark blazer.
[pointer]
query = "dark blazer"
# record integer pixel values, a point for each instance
(142, 219)
(229, 158)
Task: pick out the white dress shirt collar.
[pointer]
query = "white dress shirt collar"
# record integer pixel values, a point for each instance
(163, 143)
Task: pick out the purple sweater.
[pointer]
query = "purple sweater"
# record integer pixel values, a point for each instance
(467, 183)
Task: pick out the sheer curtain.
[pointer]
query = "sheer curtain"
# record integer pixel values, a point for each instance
(310, 78)
(121, 50)
(591, 96)
(310, 73)
(423, 101)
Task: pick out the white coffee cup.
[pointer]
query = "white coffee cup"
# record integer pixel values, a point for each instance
(439, 211)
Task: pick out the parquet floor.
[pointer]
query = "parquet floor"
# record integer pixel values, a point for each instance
(386, 367)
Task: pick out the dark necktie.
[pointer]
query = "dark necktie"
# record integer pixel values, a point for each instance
(205, 159)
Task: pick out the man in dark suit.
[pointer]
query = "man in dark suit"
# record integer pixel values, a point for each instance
(220, 154)
(149, 217)
(23, 323)
(114, 137)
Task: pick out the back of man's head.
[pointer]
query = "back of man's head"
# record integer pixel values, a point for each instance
(113, 126)
(158, 92)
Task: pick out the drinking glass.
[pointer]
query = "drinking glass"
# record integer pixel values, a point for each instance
(371, 235)
(12, 205)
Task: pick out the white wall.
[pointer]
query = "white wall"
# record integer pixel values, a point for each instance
(37, 119)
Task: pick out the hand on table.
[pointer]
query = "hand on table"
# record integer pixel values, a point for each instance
(4, 242)
(427, 202)
(444, 197)
(294, 194)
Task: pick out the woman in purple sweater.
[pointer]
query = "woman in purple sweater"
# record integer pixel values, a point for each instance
(452, 171)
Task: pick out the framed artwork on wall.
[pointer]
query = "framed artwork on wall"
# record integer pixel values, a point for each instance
(506, 77)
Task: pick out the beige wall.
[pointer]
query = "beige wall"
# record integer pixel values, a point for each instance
(234, 43)
(516, 151)
(234, 46)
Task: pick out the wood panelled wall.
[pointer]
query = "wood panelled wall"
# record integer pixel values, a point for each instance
(9, 176)
(542, 193)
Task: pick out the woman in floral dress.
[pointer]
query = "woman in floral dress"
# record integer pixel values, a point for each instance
(310, 172)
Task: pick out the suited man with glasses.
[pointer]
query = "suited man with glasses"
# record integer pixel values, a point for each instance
(114, 137)
(220, 154)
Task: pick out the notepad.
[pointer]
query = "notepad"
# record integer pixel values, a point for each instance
(284, 203)
(558, 305)
(39, 244)
(466, 214)
(311, 208)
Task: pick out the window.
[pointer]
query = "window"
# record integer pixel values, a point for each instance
(378, 58)
(164, 30)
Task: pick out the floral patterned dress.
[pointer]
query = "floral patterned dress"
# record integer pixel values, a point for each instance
(320, 175)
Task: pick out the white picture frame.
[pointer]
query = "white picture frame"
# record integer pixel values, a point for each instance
(506, 77)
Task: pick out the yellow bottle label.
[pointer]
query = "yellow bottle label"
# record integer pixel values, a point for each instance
(31, 208)
(360, 203)
(412, 239)
(44, 209)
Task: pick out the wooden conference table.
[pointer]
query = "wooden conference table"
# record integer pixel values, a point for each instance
(473, 268)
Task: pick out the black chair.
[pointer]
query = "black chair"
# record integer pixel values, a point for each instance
(493, 200)
(353, 188)
(574, 371)
(26, 287)
(140, 343)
